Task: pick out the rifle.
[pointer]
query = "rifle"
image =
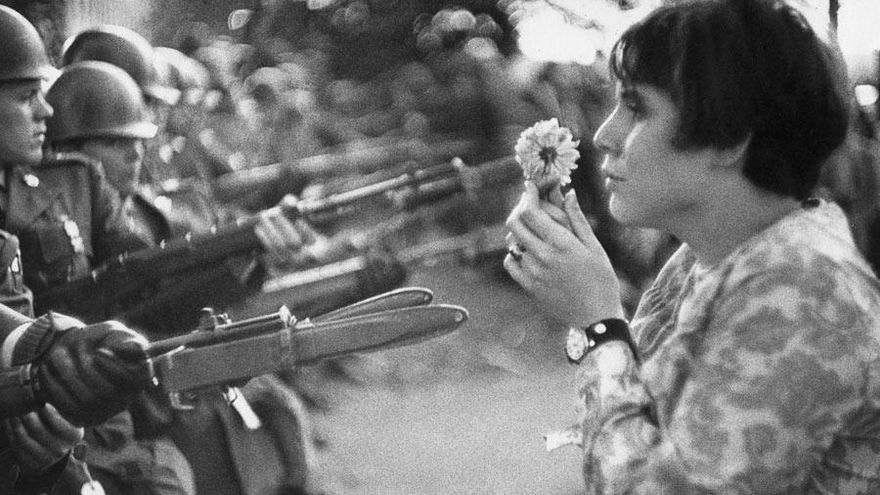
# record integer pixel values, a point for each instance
(470, 180)
(346, 160)
(118, 286)
(408, 187)
(220, 351)
(316, 288)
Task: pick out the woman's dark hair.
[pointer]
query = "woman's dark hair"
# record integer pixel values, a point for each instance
(741, 68)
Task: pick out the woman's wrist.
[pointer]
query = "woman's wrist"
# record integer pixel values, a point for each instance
(607, 313)
(581, 341)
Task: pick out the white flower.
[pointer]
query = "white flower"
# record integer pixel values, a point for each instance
(547, 153)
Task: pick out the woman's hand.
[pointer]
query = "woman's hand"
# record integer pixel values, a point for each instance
(40, 439)
(561, 266)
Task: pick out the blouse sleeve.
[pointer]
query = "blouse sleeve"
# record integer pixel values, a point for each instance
(760, 392)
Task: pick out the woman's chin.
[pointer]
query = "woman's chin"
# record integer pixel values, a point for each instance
(623, 212)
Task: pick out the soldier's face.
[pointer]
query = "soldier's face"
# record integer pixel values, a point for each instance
(23, 114)
(122, 159)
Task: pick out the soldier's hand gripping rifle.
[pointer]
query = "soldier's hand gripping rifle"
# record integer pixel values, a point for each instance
(221, 351)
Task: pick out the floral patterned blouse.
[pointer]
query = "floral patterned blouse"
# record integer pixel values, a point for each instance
(759, 375)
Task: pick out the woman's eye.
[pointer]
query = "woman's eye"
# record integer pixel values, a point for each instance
(635, 107)
(630, 99)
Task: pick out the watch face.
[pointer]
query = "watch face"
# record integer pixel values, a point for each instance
(576, 344)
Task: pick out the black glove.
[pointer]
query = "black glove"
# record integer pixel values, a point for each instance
(89, 373)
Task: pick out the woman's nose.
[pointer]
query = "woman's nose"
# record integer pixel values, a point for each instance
(602, 140)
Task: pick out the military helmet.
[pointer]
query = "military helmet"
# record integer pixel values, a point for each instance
(123, 48)
(23, 55)
(96, 99)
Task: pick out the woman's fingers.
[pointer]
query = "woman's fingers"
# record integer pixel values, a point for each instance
(555, 196)
(580, 226)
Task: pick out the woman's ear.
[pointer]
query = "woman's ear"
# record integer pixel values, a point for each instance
(733, 156)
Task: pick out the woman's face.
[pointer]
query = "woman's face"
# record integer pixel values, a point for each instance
(121, 158)
(651, 183)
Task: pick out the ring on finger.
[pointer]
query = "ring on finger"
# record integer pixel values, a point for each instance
(516, 252)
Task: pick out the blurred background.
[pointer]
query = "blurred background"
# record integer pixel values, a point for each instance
(390, 87)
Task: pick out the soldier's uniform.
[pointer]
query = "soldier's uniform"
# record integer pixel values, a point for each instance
(173, 304)
(212, 436)
(176, 208)
(67, 219)
(13, 292)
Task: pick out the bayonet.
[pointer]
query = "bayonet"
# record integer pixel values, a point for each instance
(278, 341)
(221, 351)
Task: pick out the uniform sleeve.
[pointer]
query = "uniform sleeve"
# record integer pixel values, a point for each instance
(760, 398)
(111, 232)
(13, 293)
(10, 320)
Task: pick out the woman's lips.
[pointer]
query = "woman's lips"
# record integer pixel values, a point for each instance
(612, 179)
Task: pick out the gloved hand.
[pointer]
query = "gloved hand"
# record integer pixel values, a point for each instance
(89, 373)
(39, 439)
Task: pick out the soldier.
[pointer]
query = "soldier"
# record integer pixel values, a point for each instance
(35, 447)
(99, 112)
(47, 223)
(82, 389)
(69, 219)
(132, 52)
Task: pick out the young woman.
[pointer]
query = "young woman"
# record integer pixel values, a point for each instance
(752, 364)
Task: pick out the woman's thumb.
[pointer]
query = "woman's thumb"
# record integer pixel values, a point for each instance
(579, 224)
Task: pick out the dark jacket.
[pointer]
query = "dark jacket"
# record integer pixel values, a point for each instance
(13, 293)
(67, 219)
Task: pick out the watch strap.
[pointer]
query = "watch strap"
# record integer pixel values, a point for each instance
(582, 341)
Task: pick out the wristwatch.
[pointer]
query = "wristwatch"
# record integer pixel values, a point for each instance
(582, 340)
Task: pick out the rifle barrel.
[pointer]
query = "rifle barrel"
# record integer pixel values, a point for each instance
(347, 161)
(345, 198)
